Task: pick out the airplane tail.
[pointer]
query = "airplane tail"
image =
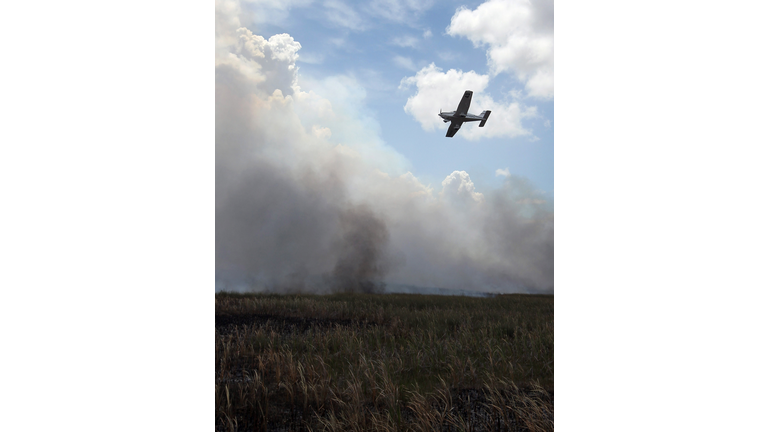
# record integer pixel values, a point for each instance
(485, 115)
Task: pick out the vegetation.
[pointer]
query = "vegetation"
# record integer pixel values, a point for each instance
(395, 362)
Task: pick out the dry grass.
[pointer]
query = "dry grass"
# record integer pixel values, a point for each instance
(363, 362)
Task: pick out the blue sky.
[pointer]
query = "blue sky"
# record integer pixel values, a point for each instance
(378, 50)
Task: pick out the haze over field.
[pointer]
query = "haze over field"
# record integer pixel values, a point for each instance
(310, 197)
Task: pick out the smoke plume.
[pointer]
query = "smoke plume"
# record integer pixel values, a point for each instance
(360, 265)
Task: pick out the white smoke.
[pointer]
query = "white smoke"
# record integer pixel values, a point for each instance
(309, 197)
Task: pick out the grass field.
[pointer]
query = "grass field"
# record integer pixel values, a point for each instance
(394, 362)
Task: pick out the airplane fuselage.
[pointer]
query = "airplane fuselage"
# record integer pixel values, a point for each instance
(451, 116)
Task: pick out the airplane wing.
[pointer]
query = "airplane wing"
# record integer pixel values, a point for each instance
(453, 128)
(464, 103)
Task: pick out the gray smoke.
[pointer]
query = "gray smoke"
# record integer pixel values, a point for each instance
(520, 228)
(284, 221)
(360, 265)
(309, 200)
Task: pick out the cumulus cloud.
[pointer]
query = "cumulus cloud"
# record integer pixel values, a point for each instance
(272, 58)
(519, 35)
(503, 172)
(458, 186)
(437, 90)
(309, 197)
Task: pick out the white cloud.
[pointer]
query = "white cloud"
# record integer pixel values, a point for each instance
(458, 187)
(269, 63)
(274, 11)
(405, 63)
(503, 172)
(339, 42)
(350, 15)
(447, 55)
(283, 48)
(311, 58)
(278, 4)
(427, 34)
(401, 11)
(438, 90)
(406, 41)
(516, 93)
(520, 39)
(343, 15)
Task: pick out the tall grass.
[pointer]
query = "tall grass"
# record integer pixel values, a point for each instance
(384, 362)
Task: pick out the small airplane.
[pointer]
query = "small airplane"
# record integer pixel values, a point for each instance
(460, 115)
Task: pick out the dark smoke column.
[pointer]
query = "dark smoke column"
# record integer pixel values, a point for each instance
(361, 265)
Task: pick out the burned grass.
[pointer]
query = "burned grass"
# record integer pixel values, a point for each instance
(384, 362)
(227, 323)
